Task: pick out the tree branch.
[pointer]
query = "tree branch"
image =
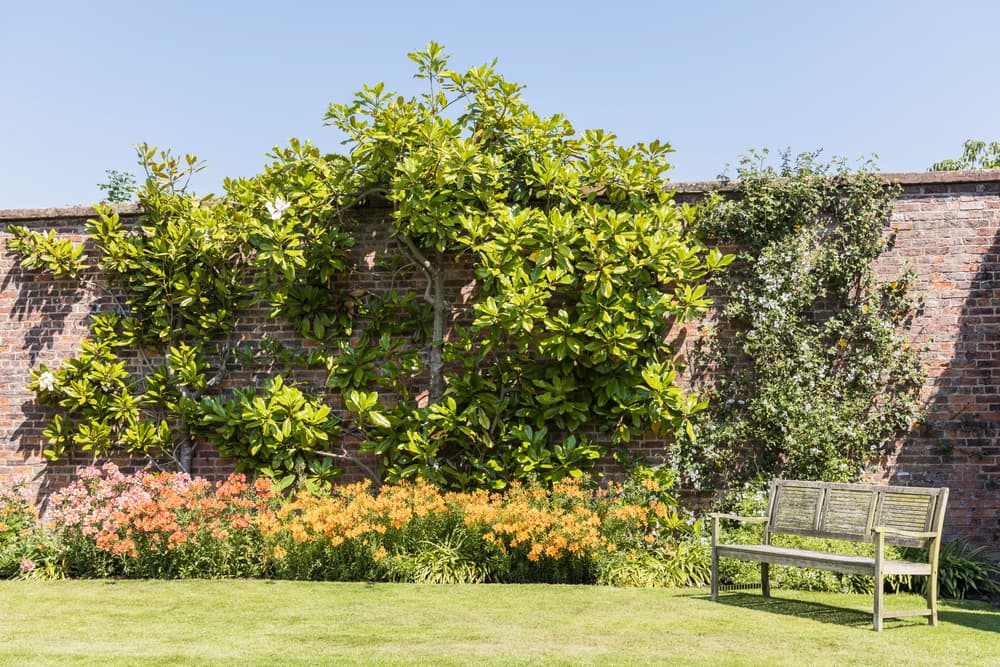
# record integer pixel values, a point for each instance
(346, 456)
(355, 199)
(413, 252)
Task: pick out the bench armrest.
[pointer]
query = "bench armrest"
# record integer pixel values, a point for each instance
(742, 519)
(716, 520)
(904, 533)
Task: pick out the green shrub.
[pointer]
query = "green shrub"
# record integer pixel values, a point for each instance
(809, 369)
(962, 571)
(456, 558)
(688, 565)
(26, 551)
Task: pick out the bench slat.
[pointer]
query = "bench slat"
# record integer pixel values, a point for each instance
(848, 512)
(796, 509)
(907, 612)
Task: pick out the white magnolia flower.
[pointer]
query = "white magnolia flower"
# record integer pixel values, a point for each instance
(46, 381)
(277, 208)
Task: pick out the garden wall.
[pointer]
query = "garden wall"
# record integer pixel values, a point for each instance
(946, 227)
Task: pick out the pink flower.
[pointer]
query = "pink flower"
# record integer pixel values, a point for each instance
(27, 565)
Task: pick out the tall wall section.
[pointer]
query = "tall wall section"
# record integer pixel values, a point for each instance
(947, 230)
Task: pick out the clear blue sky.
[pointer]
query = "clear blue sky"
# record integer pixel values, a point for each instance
(81, 82)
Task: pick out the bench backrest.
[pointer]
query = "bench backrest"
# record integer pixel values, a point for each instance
(851, 511)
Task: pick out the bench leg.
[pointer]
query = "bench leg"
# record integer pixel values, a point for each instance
(877, 616)
(879, 557)
(765, 579)
(715, 576)
(932, 585)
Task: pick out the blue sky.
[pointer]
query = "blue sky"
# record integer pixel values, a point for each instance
(81, 82)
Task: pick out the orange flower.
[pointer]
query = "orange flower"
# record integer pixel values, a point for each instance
(240, 522)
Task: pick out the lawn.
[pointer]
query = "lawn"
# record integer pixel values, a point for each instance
(268, 623)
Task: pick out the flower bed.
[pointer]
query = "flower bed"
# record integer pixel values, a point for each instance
(169, 525)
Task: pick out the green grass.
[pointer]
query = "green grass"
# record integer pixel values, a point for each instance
(287, 623)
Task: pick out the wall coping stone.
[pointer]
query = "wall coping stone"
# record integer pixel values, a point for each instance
(61, 213)
(914, 179)
(906, 179)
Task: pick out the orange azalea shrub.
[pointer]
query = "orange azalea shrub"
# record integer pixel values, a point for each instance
(413, 531)
(350, 533)
(521, 534)
(539, 534)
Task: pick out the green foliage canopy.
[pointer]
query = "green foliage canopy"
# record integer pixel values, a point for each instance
(977, 155)
(582, 261)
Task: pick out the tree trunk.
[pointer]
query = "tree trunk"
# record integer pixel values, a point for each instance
(436, 361)
(435, 295)
(185, 456)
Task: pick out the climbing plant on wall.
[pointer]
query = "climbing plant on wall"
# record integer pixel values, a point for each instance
(812, 375)
(582, 263)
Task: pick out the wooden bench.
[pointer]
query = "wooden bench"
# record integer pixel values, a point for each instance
(904, 516)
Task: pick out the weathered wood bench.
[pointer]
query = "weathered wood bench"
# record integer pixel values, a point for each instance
(904, 516)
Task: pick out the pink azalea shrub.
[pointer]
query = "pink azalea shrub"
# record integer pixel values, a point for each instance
(162, 524)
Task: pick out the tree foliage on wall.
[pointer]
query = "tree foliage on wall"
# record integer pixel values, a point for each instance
(583, 263)
(976, 155)
(815, 379)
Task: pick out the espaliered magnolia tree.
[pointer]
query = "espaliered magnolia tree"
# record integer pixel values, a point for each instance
(583, 263)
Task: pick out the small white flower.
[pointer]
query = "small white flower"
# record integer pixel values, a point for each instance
(277, 208)
(46, 381)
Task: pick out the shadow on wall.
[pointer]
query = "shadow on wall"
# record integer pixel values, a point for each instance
(42, 303)
(955, 243)
(42, 320)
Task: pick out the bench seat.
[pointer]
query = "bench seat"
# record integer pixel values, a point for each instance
(820, 560)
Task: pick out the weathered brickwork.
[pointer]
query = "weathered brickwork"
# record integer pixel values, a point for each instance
(947, 230)
(949, 234)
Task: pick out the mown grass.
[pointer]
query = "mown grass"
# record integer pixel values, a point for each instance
(239, 622)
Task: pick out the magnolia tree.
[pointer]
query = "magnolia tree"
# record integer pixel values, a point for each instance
(583, 263)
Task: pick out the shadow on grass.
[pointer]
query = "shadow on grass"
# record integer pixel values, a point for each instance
(978, 618)
(799, 608)
(975, 615)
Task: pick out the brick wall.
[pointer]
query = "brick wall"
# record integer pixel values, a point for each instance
(947, 229)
